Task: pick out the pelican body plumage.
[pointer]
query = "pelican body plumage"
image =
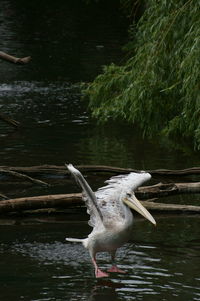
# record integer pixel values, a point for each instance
(110, 214)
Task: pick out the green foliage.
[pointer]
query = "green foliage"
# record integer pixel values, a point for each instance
(158, 87)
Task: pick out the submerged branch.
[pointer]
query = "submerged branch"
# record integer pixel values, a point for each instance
(9, 120)
(3, 197)
(24, 177)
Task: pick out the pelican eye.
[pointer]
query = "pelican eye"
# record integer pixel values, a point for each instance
(128, 194)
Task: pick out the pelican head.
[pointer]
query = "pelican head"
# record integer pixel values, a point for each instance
(131, 201)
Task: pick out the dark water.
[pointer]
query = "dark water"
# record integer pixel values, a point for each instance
(69, 43)
(161, 264)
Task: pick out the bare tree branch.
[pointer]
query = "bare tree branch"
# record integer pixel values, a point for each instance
(24, 177)
(12, 59)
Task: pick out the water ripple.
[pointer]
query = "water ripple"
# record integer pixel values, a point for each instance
(152, 272)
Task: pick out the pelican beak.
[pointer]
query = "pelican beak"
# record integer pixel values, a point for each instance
(133, 203)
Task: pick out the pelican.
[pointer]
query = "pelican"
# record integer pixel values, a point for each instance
(110, 214)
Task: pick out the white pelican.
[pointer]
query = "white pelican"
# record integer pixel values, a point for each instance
(110, 215)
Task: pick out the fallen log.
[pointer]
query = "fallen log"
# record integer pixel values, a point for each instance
(162, 207)
(75, 199)
(162, 190)
(145, 192)
(12, 59)
(40, 202)
(61, 170)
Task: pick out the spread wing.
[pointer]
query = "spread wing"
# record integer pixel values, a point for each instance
(106, 204)
(96, 217)
(110, 197)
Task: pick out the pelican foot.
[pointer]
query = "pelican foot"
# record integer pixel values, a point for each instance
(100, 274)
(115, 269)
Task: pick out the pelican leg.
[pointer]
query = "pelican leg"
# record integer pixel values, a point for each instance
(98, 273)
(114, 268)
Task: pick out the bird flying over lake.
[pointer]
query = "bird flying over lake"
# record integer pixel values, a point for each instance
(110, 215)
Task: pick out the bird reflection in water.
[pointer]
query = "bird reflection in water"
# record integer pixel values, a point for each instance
(105, 290)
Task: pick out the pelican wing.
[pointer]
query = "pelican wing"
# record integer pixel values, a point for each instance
(110, 197)
(106, 206)
(96, 217)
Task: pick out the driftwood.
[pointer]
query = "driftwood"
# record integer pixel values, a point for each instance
(161, 190)
(75, 199)
(9, 120)
(154, 206)
(61, 170)
(12, 59)
(40, 202)
(65, 200)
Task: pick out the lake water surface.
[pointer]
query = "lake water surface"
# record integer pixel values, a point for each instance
(69, 43)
